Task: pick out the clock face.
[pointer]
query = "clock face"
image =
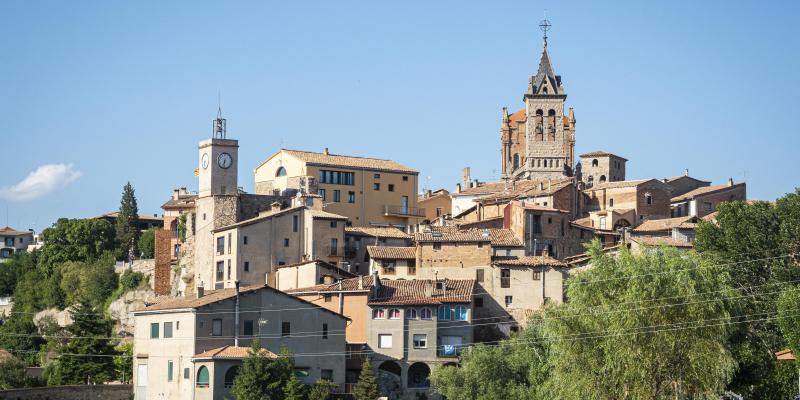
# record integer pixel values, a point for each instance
(204, 161)
(224, 160)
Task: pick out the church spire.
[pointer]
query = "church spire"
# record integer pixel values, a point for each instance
(545, 81)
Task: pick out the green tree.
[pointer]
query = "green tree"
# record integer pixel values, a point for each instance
(88, 354)
(295, 390)
(759, 241)
(123, 362)
(13, 269)
(635, 327)
(93, 281)
(75, 240)
(12, 374)
(367, 386)
(127, 222)
(19, 334)
(262, 377)
(147, 243)
(513, 369)
(321, 390)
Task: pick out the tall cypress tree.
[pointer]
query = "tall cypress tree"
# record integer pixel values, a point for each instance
(127, 221)
(367, 386)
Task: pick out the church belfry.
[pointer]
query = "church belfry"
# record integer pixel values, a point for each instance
(538, 141)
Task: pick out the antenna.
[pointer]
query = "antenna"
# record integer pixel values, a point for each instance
(219, 126)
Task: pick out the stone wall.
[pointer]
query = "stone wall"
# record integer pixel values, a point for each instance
(74, 392)
(161, 275)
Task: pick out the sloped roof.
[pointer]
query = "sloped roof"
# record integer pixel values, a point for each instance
(321, 263)
(142, 217)
(336, 160)
(496, 236)
(654, 225)
(183, 201)
(532, 261)
(232, 353)
(675, 178)
(601, 153)
(374, 231)
(392, 253)
(545, 72)
(785, 355)
(409, 292)
(9, 231)
(319, 214)
(348, 285)
(527, 188)
(657, 241)
(272, 214)
(704, 190)
(623, 184)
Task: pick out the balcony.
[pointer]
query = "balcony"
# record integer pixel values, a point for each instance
(403, 211)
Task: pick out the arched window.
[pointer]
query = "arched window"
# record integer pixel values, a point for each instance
(551, 113)
(202, 377)
(648, 198)
(516, 161)
(444, 313)
(602, 178)
(230, 376)
(425, 313)
(378, 313)
(281, 172)
(551, 163)
(411, 313)
(538, 163)
(594, 162)
(394, 313)
(460, 313)
(539, 112)
(544, 90)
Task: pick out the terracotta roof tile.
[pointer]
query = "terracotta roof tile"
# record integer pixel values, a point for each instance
(409, 292)
(232, 352)
(183, 201)
(785, 355)
(325, 215)
(532, 261)
(704, 190)
(526, 188)
(335, 160)
(345, 285)
(13, 232)
(657, 241)
(621, 184)
(654, 225)
(392, 253)
(320, 263)
(142, 217)
(601, 153)
(497, 237)
(380, 232)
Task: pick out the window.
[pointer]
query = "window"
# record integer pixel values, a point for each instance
(336, 177)
(376, 186)
(333, 224)
(280, 172)
(229, 269)
(244, 240)
(595, 163)
(425, 313)
(509, 300)
(377, 176)
(247, 266)
(405, 179)
(391, 187)
(295, 223)
(438, 211)
(169, 371)
(154, 330)
(437, 245)
(248, 327)
(602, 178)
(505, 278)
(707, 207)
(385, 341)
(327, 374)
(537, 275)
(337, 196)
(411, 313)
(202, 377)
(420, 341)
(177, 325)
(460, 313)
(334, 246)
(611, 202)
(444, 313)
(186, 373)
(221, 245)
(286, 329)
(167, 329)
(230, 376)
(327, 296)
(479, 275)
(285, 242)
(229, 243)
(351, 197)
(216, 327)
(411, 267)
(321, 193)
(378, 313)
(648, 198)
(394, 313)
(388, 267)
(478, 302)
(549, 220)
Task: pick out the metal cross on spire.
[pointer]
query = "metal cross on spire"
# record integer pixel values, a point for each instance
(545, 25)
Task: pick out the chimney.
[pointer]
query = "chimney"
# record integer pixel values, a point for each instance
(276, 206)
(361, 282)
(428, 193)
(546, 251)
(730, 182)
(200, 291)
(458, 188)
(236, 317)
(466, 177)
(175, 194)
(686, 172)
(376, 280)
(326, 152)
(428, 288)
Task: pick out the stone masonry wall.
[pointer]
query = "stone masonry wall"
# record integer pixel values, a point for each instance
(74, 392)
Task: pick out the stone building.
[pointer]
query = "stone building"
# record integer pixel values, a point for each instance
(614, 205)
(437, 204)
(13, 241)
(368, 191)
(191, 347)
(704, 200)
(308, 273)
(601, 167)
(679, 185)
(358, 238)
(539, 140)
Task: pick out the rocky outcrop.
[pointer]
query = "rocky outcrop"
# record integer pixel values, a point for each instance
(121, 310)
(61, 317)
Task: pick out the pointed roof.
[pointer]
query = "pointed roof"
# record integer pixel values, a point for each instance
(545, 72)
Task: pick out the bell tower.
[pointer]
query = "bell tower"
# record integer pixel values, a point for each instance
(218, 161)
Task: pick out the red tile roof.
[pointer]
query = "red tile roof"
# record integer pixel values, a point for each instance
(381, 232)
(664, 224)
(705, 190)
(347, 285)
(13, 232)
(392, 253)
(232, 353)
(601, 153)
(336, 160)
(411, 292)
(785, 355)
(532, 261)
(497, 237)
(658, 241)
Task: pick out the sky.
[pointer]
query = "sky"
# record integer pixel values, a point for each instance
(96, 94)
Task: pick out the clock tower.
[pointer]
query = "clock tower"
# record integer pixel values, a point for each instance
(219, 159)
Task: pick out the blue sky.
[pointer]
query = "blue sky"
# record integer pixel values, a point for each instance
(98, 93)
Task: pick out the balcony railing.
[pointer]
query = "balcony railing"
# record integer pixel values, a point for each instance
(404, 211)
(449, 351)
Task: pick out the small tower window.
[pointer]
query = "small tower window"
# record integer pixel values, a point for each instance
(539, 113)
(551, 113)
(602, 178)
(595, 163)
(648, 198)
(544, 90)
(516, 161)
(281, 172)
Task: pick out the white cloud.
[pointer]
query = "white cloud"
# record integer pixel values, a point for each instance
(44, 180)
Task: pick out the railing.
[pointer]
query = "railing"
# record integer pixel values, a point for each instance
(446, 352)
(404, 211)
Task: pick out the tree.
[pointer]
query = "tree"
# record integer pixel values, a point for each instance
(75, 240)
(321, 390)
(93, 281)
(295, 390)
(88, 355)
(12, 374)
(123, 363)
(127, 222)
(641, 326)
(19, 334)
(147, 243)
(13, 269)
(513, 369)
(262, 377)
(367, 386)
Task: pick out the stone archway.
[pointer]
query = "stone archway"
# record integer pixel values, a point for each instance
(419, 375)
(389, 378)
